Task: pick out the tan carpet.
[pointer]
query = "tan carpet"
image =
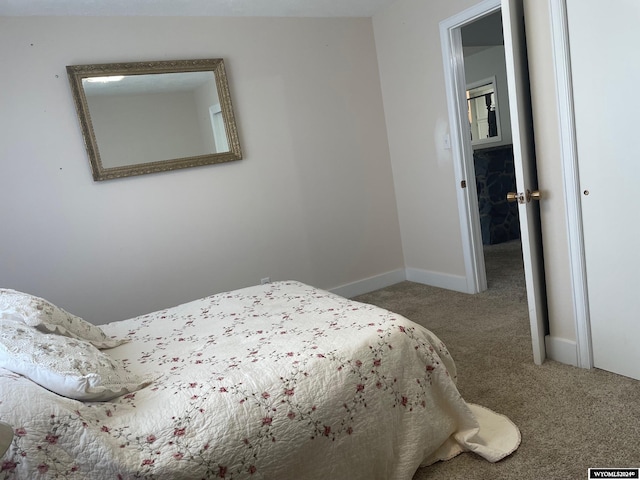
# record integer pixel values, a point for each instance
(570, 418)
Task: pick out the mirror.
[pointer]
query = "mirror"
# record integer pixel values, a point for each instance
(147, 117)
(482, 103)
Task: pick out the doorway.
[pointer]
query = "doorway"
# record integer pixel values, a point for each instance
(491, 142)
(512, 13)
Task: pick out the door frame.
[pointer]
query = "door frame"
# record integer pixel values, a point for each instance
(462, 152)
(571, 180)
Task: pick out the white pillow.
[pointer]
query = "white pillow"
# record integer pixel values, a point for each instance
(67, 366)
(37, 312)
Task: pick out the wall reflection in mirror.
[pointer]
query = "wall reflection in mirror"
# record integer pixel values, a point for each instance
(148, 117)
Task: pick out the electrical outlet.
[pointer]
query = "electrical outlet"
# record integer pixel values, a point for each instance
(265, 280)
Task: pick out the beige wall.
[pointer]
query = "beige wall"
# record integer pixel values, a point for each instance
(410, 57)
(412, 78)
(313, 200)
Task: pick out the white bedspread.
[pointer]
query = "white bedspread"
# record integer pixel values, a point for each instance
(279, 381)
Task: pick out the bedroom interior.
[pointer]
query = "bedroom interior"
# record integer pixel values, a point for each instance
(338, 187)
(374, 228)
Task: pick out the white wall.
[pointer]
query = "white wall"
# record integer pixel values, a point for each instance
(312, 200)
(410, 57)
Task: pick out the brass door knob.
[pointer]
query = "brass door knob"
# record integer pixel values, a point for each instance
(523, 197)
(512, 197)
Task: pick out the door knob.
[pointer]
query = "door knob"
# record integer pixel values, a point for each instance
(514, 197)
(523, 197)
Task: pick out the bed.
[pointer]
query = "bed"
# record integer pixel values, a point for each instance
(281, 380)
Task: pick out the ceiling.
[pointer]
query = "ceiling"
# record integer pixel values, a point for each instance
(224, 8)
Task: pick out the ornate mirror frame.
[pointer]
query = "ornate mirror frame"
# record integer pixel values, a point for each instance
(78, 73)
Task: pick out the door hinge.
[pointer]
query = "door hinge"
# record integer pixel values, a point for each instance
(463, 184)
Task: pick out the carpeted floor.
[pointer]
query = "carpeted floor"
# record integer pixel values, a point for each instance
(570, 418)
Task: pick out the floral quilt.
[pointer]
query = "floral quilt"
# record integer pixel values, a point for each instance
(277, 381)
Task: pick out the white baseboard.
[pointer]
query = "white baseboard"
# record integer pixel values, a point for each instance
(370, 284)
(435, 279)
(457, 283)
(561, 350)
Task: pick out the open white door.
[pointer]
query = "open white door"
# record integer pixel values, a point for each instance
(525, 169)
(523, 149)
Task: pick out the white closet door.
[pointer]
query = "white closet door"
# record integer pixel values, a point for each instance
(604, 39)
